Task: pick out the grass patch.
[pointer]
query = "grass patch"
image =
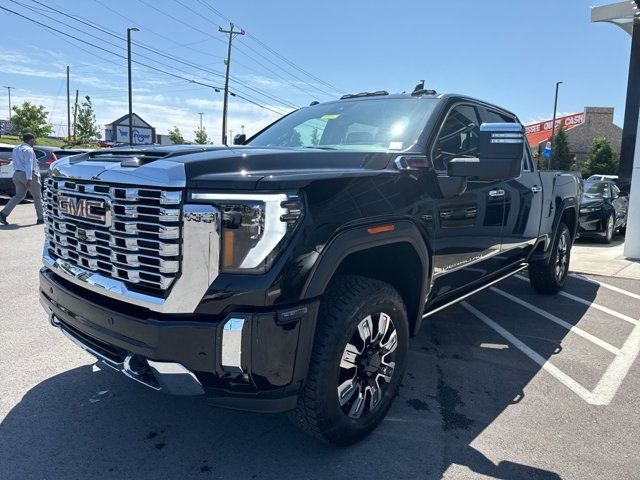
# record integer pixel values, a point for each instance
(45, 142)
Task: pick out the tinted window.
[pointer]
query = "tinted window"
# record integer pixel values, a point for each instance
(458, 136)
(616, 190)
(39, 153)
(527, 161)
(5, 153)
(494, 117)
(371, 125)
(596, 190)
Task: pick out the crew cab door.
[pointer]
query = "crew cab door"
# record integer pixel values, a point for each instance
(523, 205)
(466, 228)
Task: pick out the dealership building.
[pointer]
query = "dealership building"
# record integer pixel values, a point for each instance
(581, 129)
(118, 131)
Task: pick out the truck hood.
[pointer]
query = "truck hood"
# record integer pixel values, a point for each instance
(223, 168)
(247, 167)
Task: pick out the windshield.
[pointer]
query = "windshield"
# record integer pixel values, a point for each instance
(596, 190)
(380, 125)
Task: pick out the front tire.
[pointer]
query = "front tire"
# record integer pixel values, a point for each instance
(359, 357)
(549, 276)
(609, 229)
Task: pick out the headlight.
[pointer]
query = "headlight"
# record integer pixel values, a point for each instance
(589, 209)
(255, 227)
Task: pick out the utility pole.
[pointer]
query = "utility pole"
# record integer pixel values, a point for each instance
(129, 30)
(68, 106)
(553, 125)
(75, 116)
(9, 90)
(231, 32)
(200, 121)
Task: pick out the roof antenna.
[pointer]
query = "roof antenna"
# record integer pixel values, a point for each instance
(419, 86)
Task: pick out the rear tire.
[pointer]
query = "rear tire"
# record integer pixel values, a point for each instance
(549, 276)
(359, 357)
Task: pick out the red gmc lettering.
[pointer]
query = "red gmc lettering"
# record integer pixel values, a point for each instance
(81, 207)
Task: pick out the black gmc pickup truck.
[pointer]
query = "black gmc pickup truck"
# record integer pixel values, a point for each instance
(288, 272)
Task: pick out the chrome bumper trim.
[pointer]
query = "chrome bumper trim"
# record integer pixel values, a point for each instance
(231, 352)
(200, 267)
(169, 377)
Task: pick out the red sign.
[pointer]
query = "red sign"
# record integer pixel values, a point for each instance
(541, 131)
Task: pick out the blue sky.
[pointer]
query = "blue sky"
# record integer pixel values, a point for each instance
(510, 52)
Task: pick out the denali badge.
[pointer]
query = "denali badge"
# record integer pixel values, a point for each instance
(88, 208)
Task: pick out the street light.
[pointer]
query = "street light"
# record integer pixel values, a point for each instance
(129, 30)
(553, 124)
(9, 90)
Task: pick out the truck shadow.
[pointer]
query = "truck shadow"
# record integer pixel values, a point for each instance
(92, 423)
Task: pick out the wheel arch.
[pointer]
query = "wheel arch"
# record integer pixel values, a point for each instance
(399, 257)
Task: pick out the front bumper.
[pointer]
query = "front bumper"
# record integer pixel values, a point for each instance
(251, 360)
(592, 224)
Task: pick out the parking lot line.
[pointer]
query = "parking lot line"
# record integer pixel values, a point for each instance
(604, 309)
(605, 285)
(562, 377)
(612, 379)
(559, 321)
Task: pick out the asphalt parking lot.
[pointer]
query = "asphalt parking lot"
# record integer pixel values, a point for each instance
(509, 384)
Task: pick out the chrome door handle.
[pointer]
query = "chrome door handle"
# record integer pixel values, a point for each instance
(536, 189)
(496, 193)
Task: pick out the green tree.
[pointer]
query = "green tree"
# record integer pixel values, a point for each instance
(175, 136)
(86, 127)
(602, 158)
(201, 136)
(295, 140)
(30, 118)
(315, 139)
(561, 158)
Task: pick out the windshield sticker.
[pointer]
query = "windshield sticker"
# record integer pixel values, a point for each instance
(330, 117)
(395, 145)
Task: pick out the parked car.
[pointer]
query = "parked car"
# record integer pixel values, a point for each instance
(603, 210)
(360, 217)
(599, 178)
(6, 168)
(44, 154)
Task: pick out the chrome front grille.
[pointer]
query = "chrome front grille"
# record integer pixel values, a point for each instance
(139, 241)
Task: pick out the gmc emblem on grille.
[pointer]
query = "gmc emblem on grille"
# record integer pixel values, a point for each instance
(93, 209)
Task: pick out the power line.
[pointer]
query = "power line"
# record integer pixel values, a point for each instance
(306, 92)
(157, 52)
(159, 35)
(218, 88)
(271, 50)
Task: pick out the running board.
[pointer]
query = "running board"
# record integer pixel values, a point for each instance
(473, 292)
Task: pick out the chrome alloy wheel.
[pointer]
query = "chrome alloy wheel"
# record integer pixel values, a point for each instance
(610, 225)
(367, 365)
(562, 257)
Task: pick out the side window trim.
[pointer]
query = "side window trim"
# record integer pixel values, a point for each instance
(475, 106)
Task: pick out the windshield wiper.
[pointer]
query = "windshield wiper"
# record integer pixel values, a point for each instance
(322, 148)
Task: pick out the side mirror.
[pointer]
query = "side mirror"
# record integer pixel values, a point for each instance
(239, 139)
(500, 154)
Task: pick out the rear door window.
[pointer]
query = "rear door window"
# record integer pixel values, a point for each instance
(494, 117)
(5, 154)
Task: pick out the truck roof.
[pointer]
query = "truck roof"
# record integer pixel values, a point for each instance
(426, 96)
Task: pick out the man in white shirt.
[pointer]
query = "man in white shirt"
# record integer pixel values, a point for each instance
(26, 178)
